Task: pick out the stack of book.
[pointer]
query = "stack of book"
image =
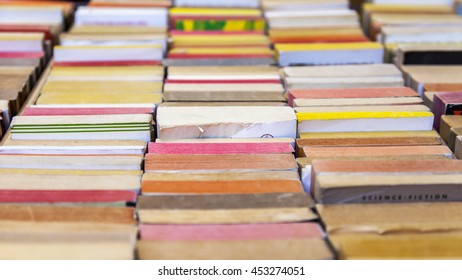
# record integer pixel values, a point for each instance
(312, 22)
(410, 23)
(396, 231)
(316, 33)
(218, 36)
(66, 232)
(189, 84)
(234, 195)
(342, 77)
(81, 139)
(28, 31)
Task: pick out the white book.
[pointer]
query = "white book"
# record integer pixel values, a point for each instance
(21, 42)
(107, 53)
(218, 3)
(149, 17)
(225, 122)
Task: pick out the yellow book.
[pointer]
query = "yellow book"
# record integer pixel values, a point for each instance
(212, 40)
(359, 115)
(78, 71)
(214, 12)
(328, 46)
(314, 32)
(99, 98)
(21, 36)
(95, 87)
(385, 8)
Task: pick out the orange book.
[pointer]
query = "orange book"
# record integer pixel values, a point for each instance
(222, 187)
(165, 162)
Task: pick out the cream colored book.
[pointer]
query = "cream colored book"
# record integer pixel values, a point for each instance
(73, 147)
(108, 73)
(72, 162)
(226, 122)
(101, 87)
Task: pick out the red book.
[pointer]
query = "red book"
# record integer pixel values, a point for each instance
(71, 196)
(220, 148)
(170, 81)
(21, 54)
(350, 93)
(231, 232)
(109, 63)
(27, 29)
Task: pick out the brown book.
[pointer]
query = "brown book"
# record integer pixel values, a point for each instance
(320, 152)
(100, 215)
(393, 247)
(296, 249)
(225, 209)
(453, 134)
(448, 122)
(385, 181)
(367, 142)
(391, 219)
(165, 162)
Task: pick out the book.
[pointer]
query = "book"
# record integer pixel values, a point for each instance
(329, 53)
(429, 55)
(82, 162)
(363, 121)
(390, 219)
(226, 122)
(380, 183)
(448, 122)
(73, 147)
(210, 19)
(57, 232)
(419, 76)
(220, 3)
(343, 76)
(251, 182)
(225, 209)
(126, 16)
(232, 232)
(333, 94)
(108, 55)
(220, 148)
(446, 103)
(219, 162)
(235, 250)
(406, 246)
(79, 39)
(106, 127)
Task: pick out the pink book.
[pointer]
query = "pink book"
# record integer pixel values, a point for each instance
(231, 232)
(21, 54)
(34, 111)
(220, 148)
(109, 63)
(170, 81)
(350, 93)
(446, 103)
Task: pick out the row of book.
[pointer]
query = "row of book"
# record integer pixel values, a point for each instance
(220, 179)
(72, 161)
